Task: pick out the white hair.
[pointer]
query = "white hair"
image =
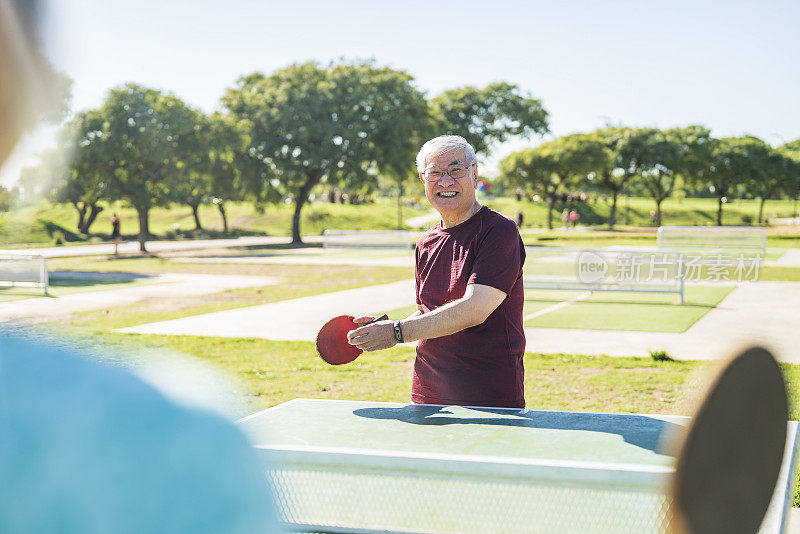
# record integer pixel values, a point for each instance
(442, 144)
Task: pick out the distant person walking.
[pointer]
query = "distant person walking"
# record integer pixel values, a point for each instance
(115, 233)
(573, 218)
(565, 217)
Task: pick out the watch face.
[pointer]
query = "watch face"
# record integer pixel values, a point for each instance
(398, 334)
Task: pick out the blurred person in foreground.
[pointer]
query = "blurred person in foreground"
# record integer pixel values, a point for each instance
(469, 292)
(90, 448)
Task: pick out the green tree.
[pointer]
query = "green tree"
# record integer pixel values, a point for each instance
(405, 124)
(769, 172)
(227, 139)
(572, 159)
(191, 182)
(791, 150)
(729, 163)
(489, 115)
(85, 180)
(620, 163)
(6, 199)
(662, 156)
(536, 171)
(337, 124)
(144, 139)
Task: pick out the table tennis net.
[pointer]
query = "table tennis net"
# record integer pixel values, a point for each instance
(316, 499)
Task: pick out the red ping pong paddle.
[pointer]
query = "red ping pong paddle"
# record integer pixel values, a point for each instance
(332, 344)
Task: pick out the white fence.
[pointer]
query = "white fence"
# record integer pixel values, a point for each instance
(640, 271)
(24, 270)
(713, 239)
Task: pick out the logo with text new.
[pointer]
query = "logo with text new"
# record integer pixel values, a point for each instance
(592, 267)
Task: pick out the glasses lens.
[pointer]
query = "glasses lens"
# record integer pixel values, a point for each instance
(432, 176)
(457, 172)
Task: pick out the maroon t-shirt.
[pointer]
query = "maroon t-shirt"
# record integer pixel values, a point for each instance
(481, 365)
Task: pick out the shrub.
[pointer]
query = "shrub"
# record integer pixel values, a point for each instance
(661, 356)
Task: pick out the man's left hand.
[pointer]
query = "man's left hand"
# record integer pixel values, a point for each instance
(375, 336)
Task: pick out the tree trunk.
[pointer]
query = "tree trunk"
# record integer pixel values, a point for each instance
(144, 227)
(658, 211)
(93, 213)
(719, 210)
(298, 205)
(400, 224)
(81, 209)
(612, 215)
(299, 202)
(761, 209)
(550, 204)
(221, 209)
(195, 207)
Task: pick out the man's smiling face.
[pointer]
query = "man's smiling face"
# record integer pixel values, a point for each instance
(453, 198)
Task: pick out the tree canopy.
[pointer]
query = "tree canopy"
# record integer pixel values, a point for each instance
(338, 124)
(144, 139)
(489, 115)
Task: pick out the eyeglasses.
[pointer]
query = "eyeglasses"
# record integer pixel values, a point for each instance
(456, 172)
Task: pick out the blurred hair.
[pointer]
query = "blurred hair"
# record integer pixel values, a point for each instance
(25, 87)
(442, 144)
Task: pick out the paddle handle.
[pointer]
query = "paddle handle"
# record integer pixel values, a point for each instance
(381, 318)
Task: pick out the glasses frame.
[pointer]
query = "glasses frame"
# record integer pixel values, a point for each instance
(444, 172)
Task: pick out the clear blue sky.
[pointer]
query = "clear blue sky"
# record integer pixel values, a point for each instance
(733, 66)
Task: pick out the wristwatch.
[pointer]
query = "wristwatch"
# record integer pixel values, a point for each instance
(398, 334)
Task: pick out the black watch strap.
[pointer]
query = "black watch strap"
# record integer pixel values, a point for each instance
(398, 334)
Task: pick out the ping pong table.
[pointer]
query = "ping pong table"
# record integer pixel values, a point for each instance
(367, 467)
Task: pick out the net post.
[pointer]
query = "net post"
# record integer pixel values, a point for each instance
(45, 275)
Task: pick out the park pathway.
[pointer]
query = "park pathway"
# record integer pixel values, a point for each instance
(762, 312)
(288, 320)
(162, 286)
(132, 247)
(790, 258)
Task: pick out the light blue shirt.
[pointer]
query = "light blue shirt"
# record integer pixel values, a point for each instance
(89, 448)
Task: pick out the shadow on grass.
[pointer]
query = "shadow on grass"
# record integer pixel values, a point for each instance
(92, 278)
(285, 246)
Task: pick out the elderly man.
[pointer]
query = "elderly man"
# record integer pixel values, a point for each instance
(469, 292)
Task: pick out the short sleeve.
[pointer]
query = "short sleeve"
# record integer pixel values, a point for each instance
(498, 257)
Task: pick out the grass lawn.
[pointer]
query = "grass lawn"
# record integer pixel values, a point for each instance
(41, 223)
(779, 274)
(296, 281)
(642, 312)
